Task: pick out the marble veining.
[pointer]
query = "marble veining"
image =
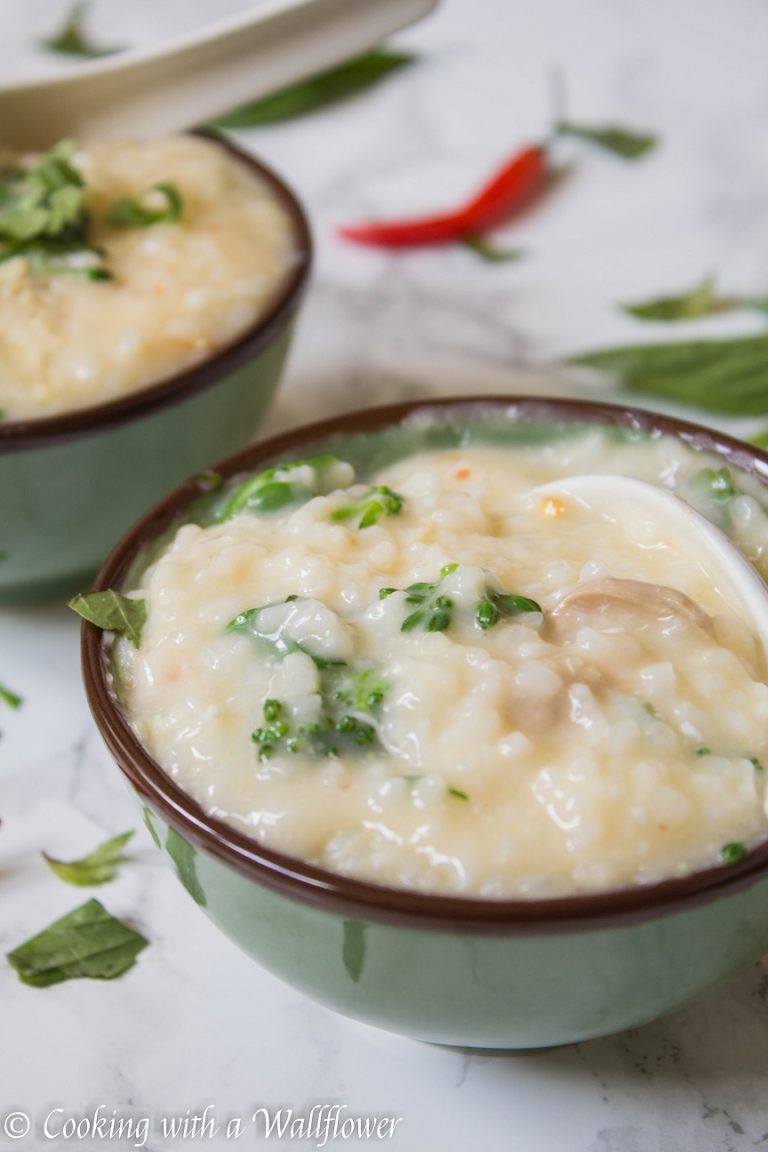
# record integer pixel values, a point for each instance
(196, 1023)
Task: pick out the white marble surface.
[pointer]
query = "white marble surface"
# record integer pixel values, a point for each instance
(195, 1023)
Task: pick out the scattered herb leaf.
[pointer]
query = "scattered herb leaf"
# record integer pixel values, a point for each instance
(87, 942)
(371, 506)
(98, 867)
(621, 141)
(72, 39)
(10, 698)
(756, 764)
(319, 91)
(733, 852)
(113, 612)
(160, 204)
(702, 300)
(488, 251)
(458, 794)
(728, 376)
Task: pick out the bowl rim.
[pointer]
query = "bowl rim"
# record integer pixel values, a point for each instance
(37, 432)
(345, 895)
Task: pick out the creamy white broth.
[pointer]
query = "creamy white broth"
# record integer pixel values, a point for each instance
(180, 291)
(566, 750)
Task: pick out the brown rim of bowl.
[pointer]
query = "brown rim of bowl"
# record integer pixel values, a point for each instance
(342, 894)
(17, 435)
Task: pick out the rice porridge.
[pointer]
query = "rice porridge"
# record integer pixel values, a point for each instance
(433, 678)
(162, 253)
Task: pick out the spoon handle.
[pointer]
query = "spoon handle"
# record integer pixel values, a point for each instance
(153, 92)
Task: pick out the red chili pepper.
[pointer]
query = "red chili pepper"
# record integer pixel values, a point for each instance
(506, 192)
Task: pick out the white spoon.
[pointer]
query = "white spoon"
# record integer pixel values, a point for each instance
(152, 92)
(620, 497)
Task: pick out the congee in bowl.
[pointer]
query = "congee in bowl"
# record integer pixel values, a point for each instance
(413, 668)
(162, 253)
(147, 292)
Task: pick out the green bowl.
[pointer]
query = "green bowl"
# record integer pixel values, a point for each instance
(73, 483)
(469, 972)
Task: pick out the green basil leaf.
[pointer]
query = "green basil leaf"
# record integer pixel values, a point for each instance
(700, 301)
(160, 204)
(10, 698)
(87, 942)
(317, 92)
(728, 376)
(98, 867)
(621, 141)
(113, 612)
(72, 40)
(487, 251)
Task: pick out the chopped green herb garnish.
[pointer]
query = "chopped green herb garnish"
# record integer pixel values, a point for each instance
(413, 778)
(719, 483)
(434, 609)
(10, 698)
(733, 852)
(46, 260)
(624, 142)
(458, 794)
(252, 623)
(703, 751)
(347, 697)
(496, 604)
(279, 488)
(371, 506)
(362, 691)
(319, 91)
(72, 40)
(755, 763)
(41, 212)
(98, 867)
(160, 204)
(113, 612)
(87, 942)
